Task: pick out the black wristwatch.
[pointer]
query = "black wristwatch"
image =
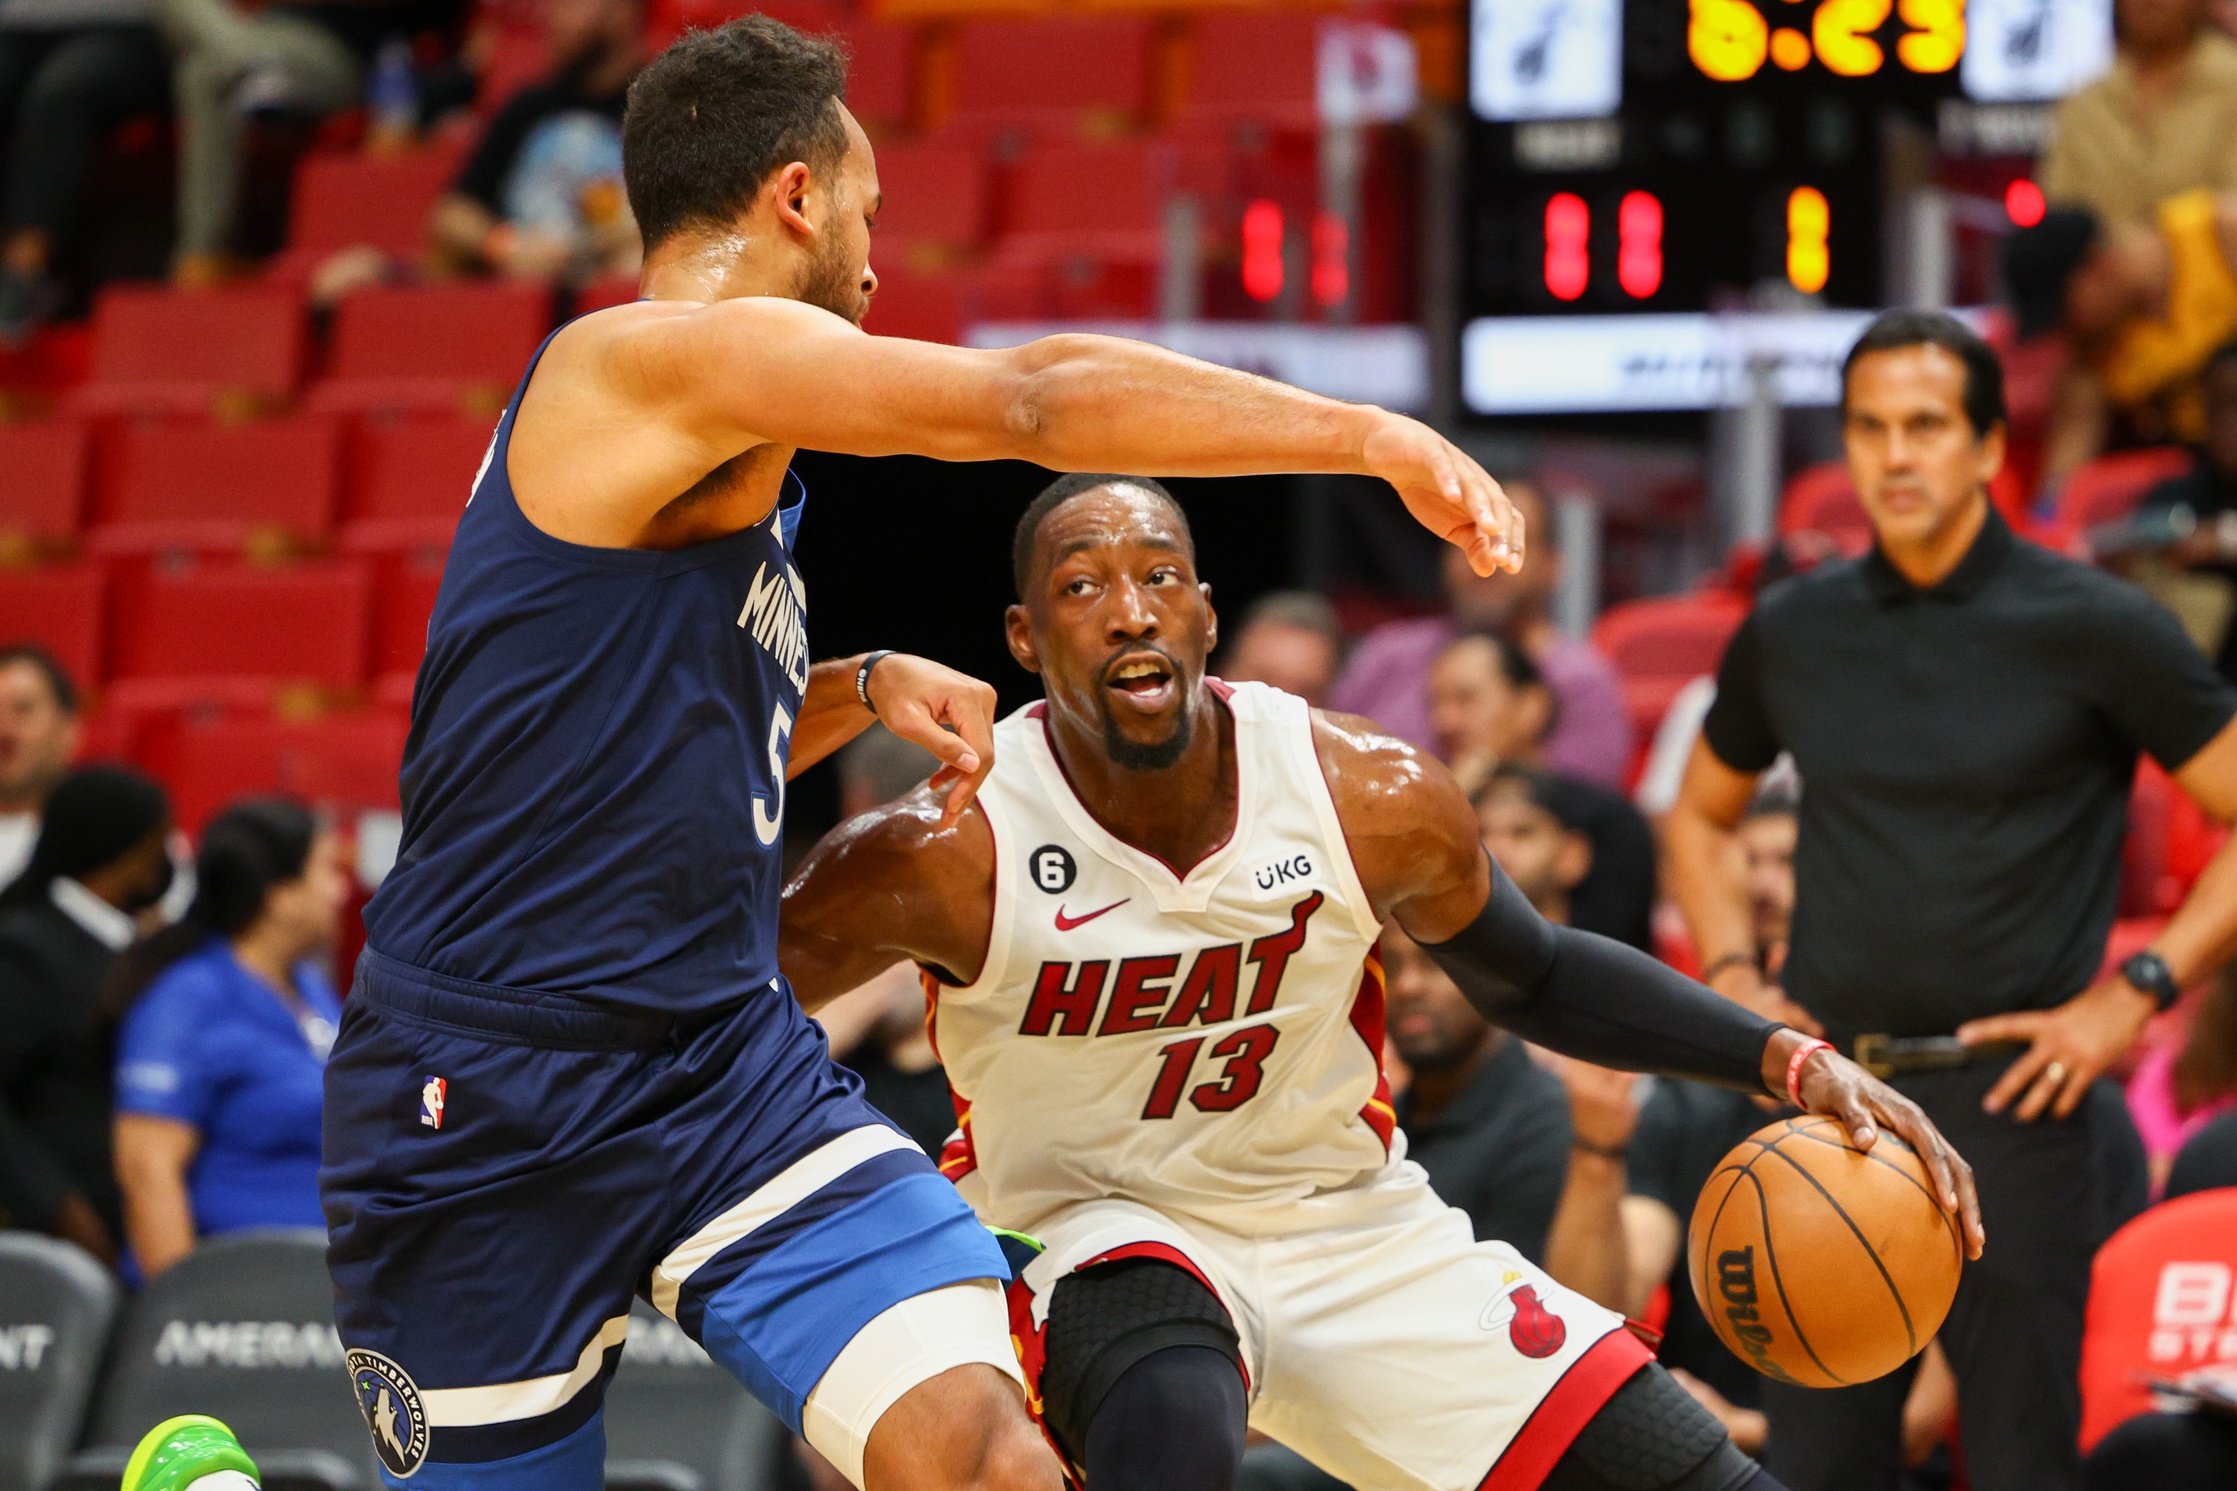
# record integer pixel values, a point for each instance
(2149, 972)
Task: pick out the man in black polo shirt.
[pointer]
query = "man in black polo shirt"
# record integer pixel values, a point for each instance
(1966, 710)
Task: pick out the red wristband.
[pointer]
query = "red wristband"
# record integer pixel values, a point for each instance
(1802, 1053)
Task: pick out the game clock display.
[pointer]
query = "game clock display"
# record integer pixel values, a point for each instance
(1670, 155)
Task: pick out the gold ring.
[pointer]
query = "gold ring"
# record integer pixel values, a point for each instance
(2056, 1071)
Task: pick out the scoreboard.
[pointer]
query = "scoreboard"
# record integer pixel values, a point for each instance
(1630, 156)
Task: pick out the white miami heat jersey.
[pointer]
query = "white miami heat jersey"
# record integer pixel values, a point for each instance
(1204, 1043)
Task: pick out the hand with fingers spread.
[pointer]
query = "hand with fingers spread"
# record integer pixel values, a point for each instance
(2068, 1047)
(950, 714)
(1832, 1086)
(1447, 492)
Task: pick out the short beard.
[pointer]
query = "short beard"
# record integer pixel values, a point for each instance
(1129, 756)
(833, 284)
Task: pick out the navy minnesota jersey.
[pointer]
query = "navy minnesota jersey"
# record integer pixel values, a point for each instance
(594, 783)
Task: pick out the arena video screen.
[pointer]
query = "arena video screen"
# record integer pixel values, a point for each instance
(1643, 157)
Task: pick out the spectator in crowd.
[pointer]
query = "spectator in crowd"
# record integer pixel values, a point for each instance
(876, 767)
(1490, 1125)
(1965, 710)
(2181, 542)
(1488, 703)
(69, 71)
(102, 858)
(2182, 1086)
(1767, 835)
(226, 1024)
(2143, 304)
(1534, 816)
(38, 736)
(232, 59)
(1386, 676)
(541, 198)
(1290, 639)
(2163, 121)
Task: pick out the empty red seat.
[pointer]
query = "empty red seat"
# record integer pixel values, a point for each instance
(60, 609)
(42, 486)
(266, 486)
(2162, 1303)
(1821, 499)
(339, 763)
(403, 600)
(1081, 73)
(237, 635)
(924, 307)
(2110, 487)
(193, 351)
(935, 198)
(1661, 644)
(410, 478)
(1255, 67)
(344, 200)
(1087, 198)
(435, 347)
(881, 77)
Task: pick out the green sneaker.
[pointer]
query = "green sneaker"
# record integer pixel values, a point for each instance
(195, 1451)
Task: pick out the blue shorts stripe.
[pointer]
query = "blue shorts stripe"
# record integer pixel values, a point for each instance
(576, 1462)
(869, 1177)
(780, 1323)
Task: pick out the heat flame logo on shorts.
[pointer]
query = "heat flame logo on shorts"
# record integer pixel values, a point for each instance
(1533, 1328)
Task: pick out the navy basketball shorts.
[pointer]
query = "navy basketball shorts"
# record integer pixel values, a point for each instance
(501, 1177)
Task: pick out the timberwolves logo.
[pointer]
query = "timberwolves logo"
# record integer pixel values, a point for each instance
(392, 1411)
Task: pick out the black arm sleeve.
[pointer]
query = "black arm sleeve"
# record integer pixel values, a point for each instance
(1597, 1000)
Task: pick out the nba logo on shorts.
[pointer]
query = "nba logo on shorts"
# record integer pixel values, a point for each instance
(431, 1094)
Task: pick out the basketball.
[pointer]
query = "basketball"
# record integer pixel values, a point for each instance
(1819, 1265)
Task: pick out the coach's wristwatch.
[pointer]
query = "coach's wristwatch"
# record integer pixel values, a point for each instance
(2149, 972)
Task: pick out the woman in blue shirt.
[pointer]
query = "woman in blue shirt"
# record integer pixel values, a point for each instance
(225, 1029)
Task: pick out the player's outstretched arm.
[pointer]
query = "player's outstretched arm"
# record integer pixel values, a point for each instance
(900, 881)
(950, 714)
(744, 372)
(1414, 840)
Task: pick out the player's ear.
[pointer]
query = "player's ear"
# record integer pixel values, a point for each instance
(789, 194)
(1211, 620)
(1017, 628)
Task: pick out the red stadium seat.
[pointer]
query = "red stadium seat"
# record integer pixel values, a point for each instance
(1083, 73)
(1258, 67)
(1087, 199)
(2110, 487)
(665, 20)
(61, 610)
(266, 487)
(437, 347)
(402, 601)
(382, 201)
(1821, 499)
(338, 763)
(410, 478)
(2162, 1302)
(935, 198)
(922, 307)
(881, 78)
(1661, 644)
(193, 351)
(236, 635)
(2170, 840)
(42, 486)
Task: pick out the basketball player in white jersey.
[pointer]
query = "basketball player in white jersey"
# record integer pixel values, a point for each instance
(1151, 956)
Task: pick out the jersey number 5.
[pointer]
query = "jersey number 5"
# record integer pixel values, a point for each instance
(1246, 1051)
(768, 823)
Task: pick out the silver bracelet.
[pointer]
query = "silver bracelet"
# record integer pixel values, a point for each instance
(862, 677)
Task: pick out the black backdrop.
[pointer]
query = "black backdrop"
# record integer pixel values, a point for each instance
(914, 554)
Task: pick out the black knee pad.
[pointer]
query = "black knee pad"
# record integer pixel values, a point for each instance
(1651, 1436)
(1105, 1319)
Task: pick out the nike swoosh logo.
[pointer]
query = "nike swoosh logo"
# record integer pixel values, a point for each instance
(1067, 923)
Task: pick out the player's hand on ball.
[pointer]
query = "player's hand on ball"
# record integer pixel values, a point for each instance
(1447, 492)
(950, 714)
(1835, 1087)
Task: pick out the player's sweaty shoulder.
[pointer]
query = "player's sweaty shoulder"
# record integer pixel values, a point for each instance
(1407, 822)
(896, 868)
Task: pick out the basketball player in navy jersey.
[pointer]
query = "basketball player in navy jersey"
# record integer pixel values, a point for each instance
(1150, 954)
(570, 1071)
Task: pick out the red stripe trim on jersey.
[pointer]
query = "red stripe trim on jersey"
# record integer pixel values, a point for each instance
(1167, 1253)
(1368, 1020)
(1592, 1379)
(959, 1156)
(1032, 1347)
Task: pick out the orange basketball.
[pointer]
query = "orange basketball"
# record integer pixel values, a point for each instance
(1818, 1265)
